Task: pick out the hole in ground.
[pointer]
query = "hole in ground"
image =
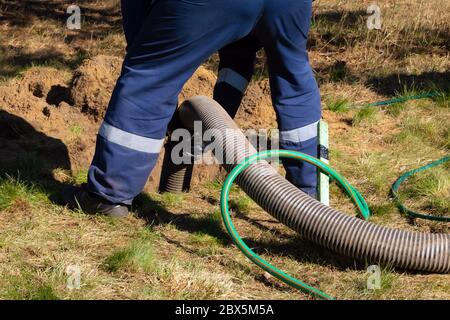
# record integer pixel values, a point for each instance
(58, 94)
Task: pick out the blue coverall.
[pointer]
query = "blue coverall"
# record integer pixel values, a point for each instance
(167, 41)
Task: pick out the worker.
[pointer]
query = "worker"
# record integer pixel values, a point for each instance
(167, 41)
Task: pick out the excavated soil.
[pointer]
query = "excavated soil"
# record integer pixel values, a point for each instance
(54, 115)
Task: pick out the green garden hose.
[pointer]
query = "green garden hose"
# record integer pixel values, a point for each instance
(356, 197)
(402, 99)
(402, 207)
(316, 222)
(348, 188)
(405, 176)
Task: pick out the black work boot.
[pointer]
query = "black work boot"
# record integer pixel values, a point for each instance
(77, 197)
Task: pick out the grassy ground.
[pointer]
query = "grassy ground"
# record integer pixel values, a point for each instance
(174, 246)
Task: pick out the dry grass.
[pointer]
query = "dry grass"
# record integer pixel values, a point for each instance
(175, 247)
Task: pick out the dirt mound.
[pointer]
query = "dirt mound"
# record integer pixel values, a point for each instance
(34, 88)
(36, 116)
(201, 83)
(93, 83)
(257, 111)
(54, 116)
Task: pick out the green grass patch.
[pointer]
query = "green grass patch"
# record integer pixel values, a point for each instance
(80, 177)
(216, 215)
(241, 204)
(388, 278)
(408, 91)
(374, 171)
(172, 199)
(433, 131)
(205, 244)
(76, 130)
(442, 100)
(428, 190)
(13, 190)
(203, 239)
(365, 116)
(27, 287)
(382, 210)
(395, 110)
(338, 106)
(385, 283)
(403, 138)
(139, 256)
(215, 185)
(212, 226)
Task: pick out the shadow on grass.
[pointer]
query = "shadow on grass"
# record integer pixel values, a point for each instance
(287, 246)
(341, 30)
(393, 84)
(155, 213)
(345, 28)
(31, 156)
(337, 28)
(13, 60)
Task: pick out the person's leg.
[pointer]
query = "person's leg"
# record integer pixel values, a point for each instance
(283, 31)
(175, 39)
(235, 72)
(134, 13)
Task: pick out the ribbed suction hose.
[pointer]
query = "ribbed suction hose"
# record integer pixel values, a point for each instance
(175, 178)
(316, 222)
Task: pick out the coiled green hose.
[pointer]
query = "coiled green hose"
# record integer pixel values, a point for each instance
(347, 187)
(397, 184)
(407, 175)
